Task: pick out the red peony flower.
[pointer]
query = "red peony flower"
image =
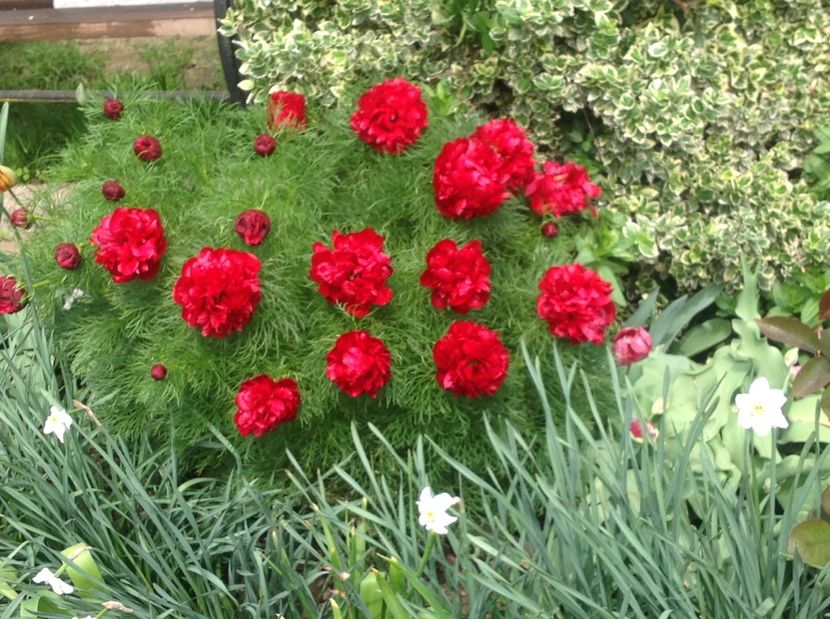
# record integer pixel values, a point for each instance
(263, 403)
(515, 150)
(562, 189)
(631, 345)
(264, 145)
(130, 243)
(253, 226)
(218, 290)
(468, 179)
(67, 256)
(21, 218)
(113, 108)
(390, 116)
(147, 148)
(11, 296)
(576, 303)
(459, 278)
(471, 360)
(354, 273)
(287, 109)
(358, 364)
(158, 371)
(113, 191)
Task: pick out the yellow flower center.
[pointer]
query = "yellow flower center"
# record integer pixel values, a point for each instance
(758, 408)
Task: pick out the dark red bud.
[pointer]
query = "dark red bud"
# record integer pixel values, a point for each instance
(67, 256)
(113, 191)
(264, 145)
(113, 109)
(147, 148)
(158, 371)
(21, 218)
(550, 230)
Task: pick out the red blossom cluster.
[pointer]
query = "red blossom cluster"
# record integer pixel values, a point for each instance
(359, 363)
(390, 116)
(263, 403)
(218, 290)
(11, 295)
(353, 272)
(287, 109)
(471, 360)
(459, 278)
(562, 189)
(576, 303)
(130, 243)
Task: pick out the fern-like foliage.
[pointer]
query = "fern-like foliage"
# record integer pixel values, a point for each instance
(317, 181)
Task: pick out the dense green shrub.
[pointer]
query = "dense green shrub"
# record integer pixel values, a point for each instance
(700, 117)
(317, 181)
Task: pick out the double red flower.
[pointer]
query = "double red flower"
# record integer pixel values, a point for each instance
(390, 116)
(287, 109)
(510, 142)
(263, 403)
(561, 189)
(469, 179)
(471, 360)
(459, 278)
(130, 243)
(576, 303)
(218, 290)
(353, 272)
(359, 363)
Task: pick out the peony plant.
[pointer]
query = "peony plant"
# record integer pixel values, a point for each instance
(381, 263)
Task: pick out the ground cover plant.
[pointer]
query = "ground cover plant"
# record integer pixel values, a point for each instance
(325, 252)
(699, 114)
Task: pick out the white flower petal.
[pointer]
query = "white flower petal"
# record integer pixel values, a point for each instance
(426, 496)
(759, 387)
(60, 587)
(442, 502)
(44, 575)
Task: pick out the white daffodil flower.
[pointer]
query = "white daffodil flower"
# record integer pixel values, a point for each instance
(45, 576)
(760, 409)
(57, 422)
(432, 511)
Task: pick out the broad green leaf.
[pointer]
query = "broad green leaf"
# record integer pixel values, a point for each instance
(7, 575)
(704, 336)
(814, 375)
(789, 331)
(811, 539)
(81, 568)
(643, 313)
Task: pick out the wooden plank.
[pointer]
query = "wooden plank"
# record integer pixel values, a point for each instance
(8, 5)
(68, 96)
(116, 22)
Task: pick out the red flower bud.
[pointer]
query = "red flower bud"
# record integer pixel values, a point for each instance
(11, 296)
(158, 371)
(147, 148)
(113, 191)
(550, 230)
(67, 256)
(21, 218)
(113, 109)
(631, 344)
(253, 226)
(635, 430)
(264, 145)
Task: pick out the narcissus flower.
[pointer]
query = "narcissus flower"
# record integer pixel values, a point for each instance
(433, 511)
(57, 423)
(576, 303)
(468, 179)
(561, 189)
(113, 108)
(459, 278)
(113, 191)
(67, 256)
(130, 243)
(264, 145)
(390, 116)
(359, 363)
(471, 360)
(252, 226)
(8, 178)
(147, 148)
(11, 295)
(47, 577)
(631, 345)
(353, 272)
(509, 140)
(760, 408)
(287, 109)
(263, 403)
(218, 290)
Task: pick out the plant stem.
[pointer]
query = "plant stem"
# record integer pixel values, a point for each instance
(427, 552)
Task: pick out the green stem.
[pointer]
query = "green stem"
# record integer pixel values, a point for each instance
(427, 552)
